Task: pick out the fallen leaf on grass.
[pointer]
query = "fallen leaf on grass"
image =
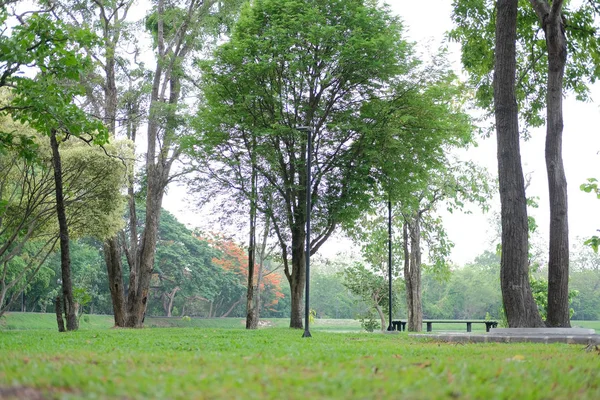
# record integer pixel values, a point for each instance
(518, 357)
(398, 356)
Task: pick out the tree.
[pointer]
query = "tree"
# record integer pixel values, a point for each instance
(519, 305)
(45, 102)
(232, 290)
(341, 68)
(184, 264)
(544, 73)
(93, 204)
(371, 287)
(179, 32)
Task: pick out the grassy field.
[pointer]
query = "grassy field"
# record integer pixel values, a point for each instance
(27, 321)
(219, 359)
(198, 363)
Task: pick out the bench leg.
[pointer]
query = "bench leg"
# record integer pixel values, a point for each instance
(428, 326)
(468, 327)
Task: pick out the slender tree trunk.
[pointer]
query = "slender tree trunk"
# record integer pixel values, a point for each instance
(251, 313)
(558, 260)
(65, 259)
(381, 315)
(411, 232)
(520, 308)
(233, 306)
(261, 266)
(112, 257)
(59, 318)
(171, 301)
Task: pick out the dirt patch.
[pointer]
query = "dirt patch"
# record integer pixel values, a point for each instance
(22, 392)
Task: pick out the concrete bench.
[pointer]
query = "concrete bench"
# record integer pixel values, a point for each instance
(400, 325)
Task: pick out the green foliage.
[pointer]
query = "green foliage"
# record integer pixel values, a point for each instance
(334, 365)
(475, 31)
(57, 53)
(370, 322)
(592, 187)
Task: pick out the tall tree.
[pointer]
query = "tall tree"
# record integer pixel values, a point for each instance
(179, 31)
(544, 73)
(46, 102)
(551, 20)
(341, 68)
(519, 305)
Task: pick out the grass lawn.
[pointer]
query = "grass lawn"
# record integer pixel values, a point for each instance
(198, 363)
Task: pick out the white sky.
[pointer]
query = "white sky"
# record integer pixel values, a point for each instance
(426, 21)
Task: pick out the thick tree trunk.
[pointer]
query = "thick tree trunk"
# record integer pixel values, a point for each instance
(558, 260)
(59, 318)
(298, 281)
(520, 308)
(412, 273)
(137, 300)
(112, 257)
(65, 259)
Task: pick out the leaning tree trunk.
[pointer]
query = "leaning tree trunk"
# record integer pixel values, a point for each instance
(65, 259)
(520, 308)
(380, 313)
(412, 273)
(558, 260)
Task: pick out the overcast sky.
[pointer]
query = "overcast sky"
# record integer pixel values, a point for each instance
(426, 22)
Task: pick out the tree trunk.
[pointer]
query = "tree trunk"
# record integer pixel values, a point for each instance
(251, 313)
(558, 260)
(381, 315)
(412, 272)
(59, 318)
(65, 259)
(226, 313)
(520, 308)
(112, 256)
(171, 301)
(298, 281)
(261, 266)
(139, 288)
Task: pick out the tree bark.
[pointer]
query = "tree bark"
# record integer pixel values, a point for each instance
(298, 279)
(411, 233)
(59, 318)
(114, 268)
(550, 17)
(381, 315)
(520, 308)
(65, 259)
(171, 301)
(251, 312)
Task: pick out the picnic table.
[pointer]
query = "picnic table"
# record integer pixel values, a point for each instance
(400, 325)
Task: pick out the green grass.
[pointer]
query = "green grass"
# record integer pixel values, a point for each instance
(277, 363)
(28, 321)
